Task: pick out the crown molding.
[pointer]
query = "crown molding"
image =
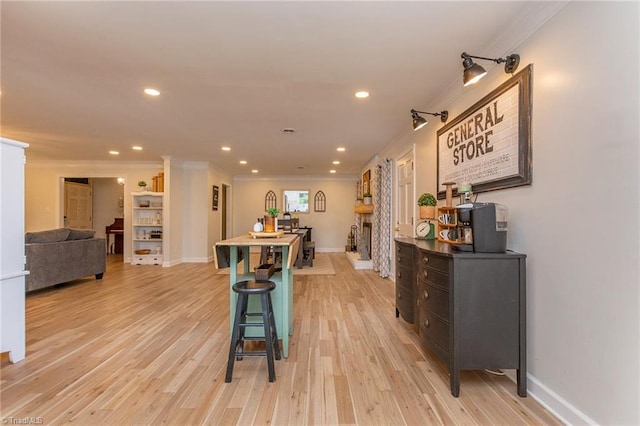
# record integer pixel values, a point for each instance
(94, 164)
(315, 178)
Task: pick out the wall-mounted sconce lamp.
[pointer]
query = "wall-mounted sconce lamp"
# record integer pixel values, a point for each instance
(419, 122)
(474, 72)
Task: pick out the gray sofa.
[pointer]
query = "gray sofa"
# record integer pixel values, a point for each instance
(60, 255)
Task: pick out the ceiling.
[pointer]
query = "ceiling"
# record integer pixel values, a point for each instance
(233, 74)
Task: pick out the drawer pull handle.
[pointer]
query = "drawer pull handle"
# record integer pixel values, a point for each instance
(426, 259)
(426, 295)
(427, 323)
(399, 295)
(399, 274)
(425, 273)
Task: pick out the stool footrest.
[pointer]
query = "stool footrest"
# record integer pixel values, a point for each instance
(251, 324)
(241, 354)
(253, 339)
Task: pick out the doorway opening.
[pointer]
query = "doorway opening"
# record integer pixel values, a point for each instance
(95, 203)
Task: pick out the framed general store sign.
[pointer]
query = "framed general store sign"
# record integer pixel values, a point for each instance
(489, 145)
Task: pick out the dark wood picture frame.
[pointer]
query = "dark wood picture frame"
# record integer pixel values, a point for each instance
(454, 149)
(320, 202)
(214, 198)
(366, 182)
(270, 200)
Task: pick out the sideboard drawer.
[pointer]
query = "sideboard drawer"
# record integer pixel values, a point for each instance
(405, 303)
(404, 277)
(434, 277)
(405, 255)
(434, 330)
(435, 300)
(427, 260)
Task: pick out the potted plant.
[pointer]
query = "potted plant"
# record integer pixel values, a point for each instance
(427, 203)
(367, 198)
(270, 221)
(142, 185)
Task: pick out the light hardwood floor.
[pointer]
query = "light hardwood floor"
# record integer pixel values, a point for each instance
(148, 345)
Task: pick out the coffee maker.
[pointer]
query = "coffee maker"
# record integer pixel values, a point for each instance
(482, 228)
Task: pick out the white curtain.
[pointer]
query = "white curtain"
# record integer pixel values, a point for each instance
(381, 238)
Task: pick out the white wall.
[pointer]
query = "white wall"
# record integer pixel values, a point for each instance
(176, 199)
(195, 189)
(330, 228)
(578, 222)
(214, 218)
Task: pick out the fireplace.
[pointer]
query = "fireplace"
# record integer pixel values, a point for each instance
(365, 241)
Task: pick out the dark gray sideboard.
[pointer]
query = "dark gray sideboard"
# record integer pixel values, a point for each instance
(469, 309)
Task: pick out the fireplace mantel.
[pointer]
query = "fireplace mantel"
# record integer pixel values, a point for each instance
(364, 209)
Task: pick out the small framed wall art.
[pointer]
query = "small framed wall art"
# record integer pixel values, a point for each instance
(214, 198)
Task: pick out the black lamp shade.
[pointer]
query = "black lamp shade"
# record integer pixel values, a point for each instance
(418, 122)
(472, 73)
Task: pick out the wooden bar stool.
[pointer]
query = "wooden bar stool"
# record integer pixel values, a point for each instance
(240, 323)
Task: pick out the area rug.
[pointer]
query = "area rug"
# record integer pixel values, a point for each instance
(321, 265)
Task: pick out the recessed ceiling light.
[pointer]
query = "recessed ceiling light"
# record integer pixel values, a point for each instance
(332, 171)
(114, 152)
(254, 171)
(362, 94)
(136, 148)
(226, 148)
(341, 149)
(336, 162)
(152, 92)
(243, 161)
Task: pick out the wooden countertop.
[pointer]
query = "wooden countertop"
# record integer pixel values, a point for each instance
(290, 240)
(248, 240)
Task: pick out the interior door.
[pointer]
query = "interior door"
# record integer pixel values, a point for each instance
(404, 173)
(78, 205)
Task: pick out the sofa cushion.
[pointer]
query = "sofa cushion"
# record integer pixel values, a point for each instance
(49, 236)
(80, 234)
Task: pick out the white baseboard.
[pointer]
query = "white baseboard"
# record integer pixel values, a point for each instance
(559, 407)
(196, 260)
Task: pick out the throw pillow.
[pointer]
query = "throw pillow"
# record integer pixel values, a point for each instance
(80, 234)
(50, 236)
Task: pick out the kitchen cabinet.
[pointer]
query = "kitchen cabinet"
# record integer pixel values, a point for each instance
(471, 308)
